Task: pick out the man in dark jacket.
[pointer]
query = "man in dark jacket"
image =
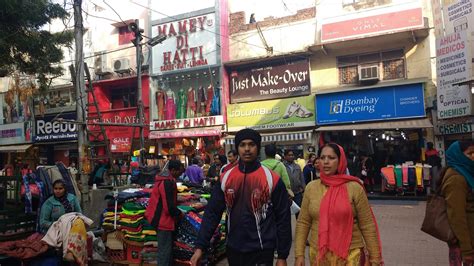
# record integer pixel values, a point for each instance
(258, 210)
(296, 177)
(162, 211)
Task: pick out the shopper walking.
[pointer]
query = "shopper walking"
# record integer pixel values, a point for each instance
(215, 169)
(275, 165)
(194, 172)
(433, 159)
(336, 215)
(296, 177)
(258, 209)
(162, 211)
(457, 187)
(308, 169)
(233, 160)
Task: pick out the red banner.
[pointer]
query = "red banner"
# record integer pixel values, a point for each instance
(120, 144)
(372, 25)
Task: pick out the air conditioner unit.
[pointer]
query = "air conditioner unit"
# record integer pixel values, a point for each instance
(122, 65)
(100, 63)
(369, 73)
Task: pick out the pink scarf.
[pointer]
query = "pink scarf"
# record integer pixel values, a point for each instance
(336, 219)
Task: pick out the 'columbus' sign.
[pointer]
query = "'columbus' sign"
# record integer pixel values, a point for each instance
(280, 81)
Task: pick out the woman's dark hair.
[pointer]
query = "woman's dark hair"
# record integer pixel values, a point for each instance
(335, 149)
(59, 181)
(465, 144)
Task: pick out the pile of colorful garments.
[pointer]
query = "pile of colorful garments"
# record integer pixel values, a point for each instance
(186, 235)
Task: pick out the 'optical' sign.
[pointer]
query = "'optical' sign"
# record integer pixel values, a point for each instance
(391, 102)
(49, 130)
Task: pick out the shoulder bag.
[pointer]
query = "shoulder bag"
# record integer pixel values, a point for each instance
(436, 221)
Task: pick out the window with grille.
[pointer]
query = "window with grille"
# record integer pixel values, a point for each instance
(391, 65)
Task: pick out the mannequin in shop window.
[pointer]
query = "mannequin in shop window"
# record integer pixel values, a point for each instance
(160, 103)
(170, 111)
(216, 102)
(210, 96)
(182, 98)
(202, 100)
(191, 103)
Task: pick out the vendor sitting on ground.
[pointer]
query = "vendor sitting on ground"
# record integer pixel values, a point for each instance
(58, 204)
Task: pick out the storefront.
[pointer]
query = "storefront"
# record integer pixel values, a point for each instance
(188, 95)
(386, 123)
(56, 141)
(273, 97)
(117, 101)
(16, 125)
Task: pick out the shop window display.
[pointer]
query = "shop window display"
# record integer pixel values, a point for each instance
(180, 97)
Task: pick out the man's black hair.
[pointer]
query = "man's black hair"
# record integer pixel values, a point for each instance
(288, 151)
(271, 150)
(195, 160)
(174, 164)
(233, 152)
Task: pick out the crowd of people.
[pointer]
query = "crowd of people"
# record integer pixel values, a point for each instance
(335, 220)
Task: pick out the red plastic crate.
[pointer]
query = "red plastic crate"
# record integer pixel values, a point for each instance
(133, 253)
(116, 255)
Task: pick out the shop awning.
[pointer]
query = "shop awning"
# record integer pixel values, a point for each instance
(15, 148)
(413, 123)
(278, 137)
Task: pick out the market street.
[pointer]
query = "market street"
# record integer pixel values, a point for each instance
(403, 242)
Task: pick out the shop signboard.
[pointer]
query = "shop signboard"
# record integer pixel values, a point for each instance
(189, 43)
(458, 15)
(274, 114)
(15, 133)
(453, 101)
(270, 82)
(455, 128)
(194, 122)
(391, 102)
(49, 130)
(196, 132)
(128, 116)
(453, 64)
(375, 21)
(120, 144)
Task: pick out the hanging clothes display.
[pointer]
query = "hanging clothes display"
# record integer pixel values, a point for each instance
(210, 96)
(191, 105)
(170, 112)
(216, 102)
(202, 100)
(160, 103)
(181, 105)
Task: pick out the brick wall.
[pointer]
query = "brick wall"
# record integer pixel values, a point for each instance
(238, 23)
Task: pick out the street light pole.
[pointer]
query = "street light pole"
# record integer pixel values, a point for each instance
(137, 42)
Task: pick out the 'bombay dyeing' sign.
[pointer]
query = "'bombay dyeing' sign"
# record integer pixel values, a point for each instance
(281, 81)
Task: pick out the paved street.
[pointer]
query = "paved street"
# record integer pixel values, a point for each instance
(402, 241)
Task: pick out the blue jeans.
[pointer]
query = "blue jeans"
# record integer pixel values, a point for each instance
(165, 247)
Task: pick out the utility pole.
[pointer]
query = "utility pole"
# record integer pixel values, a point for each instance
(135, 27)
(81, 97)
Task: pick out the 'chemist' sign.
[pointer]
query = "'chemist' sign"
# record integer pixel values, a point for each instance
(391, 102)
